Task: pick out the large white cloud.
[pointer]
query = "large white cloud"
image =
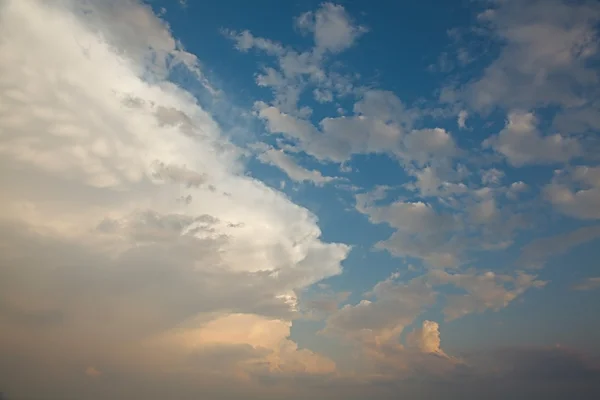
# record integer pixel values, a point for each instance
(125, 211)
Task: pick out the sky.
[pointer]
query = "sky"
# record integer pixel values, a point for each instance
(299, 199)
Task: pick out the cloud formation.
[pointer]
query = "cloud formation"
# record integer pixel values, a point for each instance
(100, 149)
(141, 255)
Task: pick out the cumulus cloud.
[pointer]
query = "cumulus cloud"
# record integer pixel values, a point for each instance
(138, 255)
(575, 191)
(97, 148)
(332, 27)
(521, 143)
(337, 139)
(375, 325)
(333, 31)
(426, 144)
(426, 338)
(552, 47)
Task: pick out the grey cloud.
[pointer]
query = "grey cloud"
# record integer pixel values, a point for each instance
(588, 284)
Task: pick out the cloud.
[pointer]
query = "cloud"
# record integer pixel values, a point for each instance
(377, 127)
(294, 171)
(544, 58)
(426, 338)
(483, 290)
(97, 148)
(462, 119)
(587, 284)
(491, 176)
(333, 32)
(575, 192)
(427, 144)
(420, 230)
(332, 27)
(92, 372)
(536, 253)
(375, 325)
(381, 321)
(521, 143)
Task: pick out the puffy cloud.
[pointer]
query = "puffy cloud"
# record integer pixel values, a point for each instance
(338, 138)
(515, 189)
(575, 192)
(333, 32)
(381, 321)
(421, 231)
(267, 340)
(588, 284)
(426, 144)
(374, 327)
(375, 324)
(99, 254)
(379, 125)
(245, 41)
(521, 143)
(332, 27)
(426, 338)
(546, 46)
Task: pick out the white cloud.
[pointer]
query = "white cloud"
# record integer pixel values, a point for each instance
(332, 27)
(521, 143)
(426, 338)
(338, 138)
(96, 149)
(588, 284)
(296, 70)
(426, 144)
(546, 46)
(576, 192)
(380, 124)
(296, 172)
(421, 231)
(245, 41)
(515, 189)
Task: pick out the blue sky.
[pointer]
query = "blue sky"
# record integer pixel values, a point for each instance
(308, 199)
